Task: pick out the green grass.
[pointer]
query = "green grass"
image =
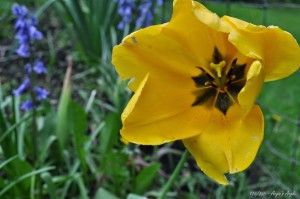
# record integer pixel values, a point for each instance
(283, 136)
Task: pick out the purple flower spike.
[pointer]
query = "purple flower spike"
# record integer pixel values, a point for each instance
(39, 68)
(27, 105)
(41, 93)
(26, 34)
(22, 87)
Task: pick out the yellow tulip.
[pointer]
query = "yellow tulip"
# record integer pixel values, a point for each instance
(196, 79)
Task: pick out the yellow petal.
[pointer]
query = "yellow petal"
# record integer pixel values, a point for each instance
(151, 51)
(276, 49)
(159, 113)
(252, 88)
(209, 18)
(229, 144)
(198, 30)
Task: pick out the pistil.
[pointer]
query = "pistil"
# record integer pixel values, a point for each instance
(218, 67)
(218, 71)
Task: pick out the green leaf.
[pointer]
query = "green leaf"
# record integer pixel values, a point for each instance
(79, 119)
(103, 193)
(13, 170)
(145, 177)
(3, 124)
(43, 7)
(63, 120)
(7, 161)
(79, 127)
(50, 185)
(82, 188)
(134, 196)
(110, 134)
(14, 126)
(23, 177)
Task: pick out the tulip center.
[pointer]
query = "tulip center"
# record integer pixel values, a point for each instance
(218, 84)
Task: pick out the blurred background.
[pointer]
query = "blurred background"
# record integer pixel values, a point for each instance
(61, 101)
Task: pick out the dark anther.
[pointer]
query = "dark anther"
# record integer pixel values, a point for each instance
(217, 56)
(238, 71)
(206, 95)
(235, 88)
(203, 80)
(223, 102)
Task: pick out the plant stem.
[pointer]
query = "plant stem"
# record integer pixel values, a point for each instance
(32, 78)
(174, 175)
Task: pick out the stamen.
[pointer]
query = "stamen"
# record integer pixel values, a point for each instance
(218, 67)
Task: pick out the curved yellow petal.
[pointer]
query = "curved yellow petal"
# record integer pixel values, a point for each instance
(252, 88)
(211, 19)
(159, 113)
(276, 49)
(151, 51)
(199, 30)
(228, 144)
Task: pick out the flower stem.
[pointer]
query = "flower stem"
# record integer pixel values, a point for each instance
(32, 77)
(174, 175)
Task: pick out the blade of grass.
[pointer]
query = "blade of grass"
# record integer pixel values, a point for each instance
(47, 177)
(82, 188)
(23, 177)
(44, 7)
(72, 172)
(3, 124)
(45, 148)
(14, 126)
(7, 161)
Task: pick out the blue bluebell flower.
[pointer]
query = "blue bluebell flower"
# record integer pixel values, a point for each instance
(143, 9)
(39, 68)
(26, 30)
(41, 93)
(24, 86)
(27, 105)
(159, 2)
(145, 18)
(20, 24)
(19, 10)
(28, 68)
(23, 51)
(126, 8)
(34, 33)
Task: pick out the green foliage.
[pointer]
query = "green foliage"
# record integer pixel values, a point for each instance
(145, 178)
(91, 23)
(102, 193)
